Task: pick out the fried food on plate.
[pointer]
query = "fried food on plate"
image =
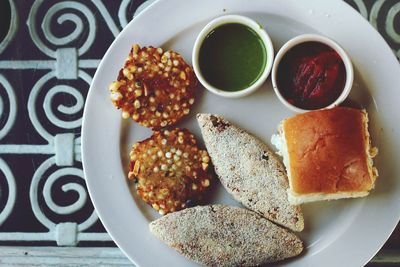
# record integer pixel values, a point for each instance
(249, 171)
(154, 88)
(328, 154)
(220, 235)
(170, 170)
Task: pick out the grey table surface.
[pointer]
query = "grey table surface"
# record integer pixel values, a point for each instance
(49, 52)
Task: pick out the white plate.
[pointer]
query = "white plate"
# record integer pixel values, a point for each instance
(338, 233)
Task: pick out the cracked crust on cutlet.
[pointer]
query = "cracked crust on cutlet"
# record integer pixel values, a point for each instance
(249, 171)
(220, 235)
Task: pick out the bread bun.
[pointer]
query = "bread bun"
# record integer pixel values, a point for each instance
(327, 154)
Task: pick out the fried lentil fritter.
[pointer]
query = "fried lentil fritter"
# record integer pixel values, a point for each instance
(154, 88)
(170, 170)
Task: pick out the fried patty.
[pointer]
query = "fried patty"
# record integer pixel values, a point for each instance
(154, 88)
(170, 171)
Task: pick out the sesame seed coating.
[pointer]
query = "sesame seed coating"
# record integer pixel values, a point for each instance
(177, 175)
(154, 88)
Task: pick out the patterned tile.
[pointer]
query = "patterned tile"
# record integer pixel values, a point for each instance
(384, 15)
(47, 61)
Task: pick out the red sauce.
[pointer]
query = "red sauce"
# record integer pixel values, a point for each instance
(311, 75)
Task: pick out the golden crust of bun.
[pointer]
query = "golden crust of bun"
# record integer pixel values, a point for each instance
(329, 152)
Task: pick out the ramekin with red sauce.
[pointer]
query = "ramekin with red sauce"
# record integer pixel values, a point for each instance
(312, 72)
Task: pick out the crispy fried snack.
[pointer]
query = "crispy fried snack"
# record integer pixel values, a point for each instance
(154, 88)
(170, 170)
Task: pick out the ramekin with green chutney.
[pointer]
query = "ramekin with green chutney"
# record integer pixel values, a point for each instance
(232, 56)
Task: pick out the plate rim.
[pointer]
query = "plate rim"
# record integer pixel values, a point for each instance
(83, 132)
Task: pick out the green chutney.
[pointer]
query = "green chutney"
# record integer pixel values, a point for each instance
(232, 57)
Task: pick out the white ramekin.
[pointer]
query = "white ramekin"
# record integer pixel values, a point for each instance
(241, 20)
(313, 38)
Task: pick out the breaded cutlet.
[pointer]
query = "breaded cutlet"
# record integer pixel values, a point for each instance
(250, 171)
(220, 235)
